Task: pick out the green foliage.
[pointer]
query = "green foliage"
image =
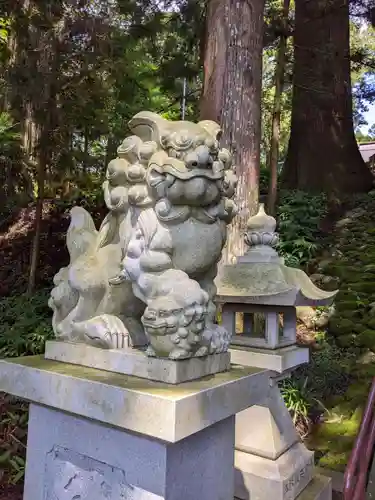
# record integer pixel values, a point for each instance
(299, 215)
(334, 438)
(25, 324)
(4, 30)
(9, 136)
(329, 371)
(13, 426)
(268, 92)
(328, 374)
(362, 48)
(296, 398)
(316, 386)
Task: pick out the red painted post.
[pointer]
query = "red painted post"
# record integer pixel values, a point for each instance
(355, 479)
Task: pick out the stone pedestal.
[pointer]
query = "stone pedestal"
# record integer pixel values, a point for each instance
(320, 488)
(134, 362)
(259, 478)
(270, 460)
(96, 435)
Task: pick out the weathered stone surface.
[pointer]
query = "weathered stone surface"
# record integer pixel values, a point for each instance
(278, 360)
(74, 458)
(155, 409)
(258, 478)
(272, 432)
(146, 277)
(71, 475)
(136, 363)
(320, 488)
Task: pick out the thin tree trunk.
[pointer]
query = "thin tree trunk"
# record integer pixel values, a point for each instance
(232, 96)
(37, 226)
(86, 149)
(110, 151)
(276, 115)
(323, 154)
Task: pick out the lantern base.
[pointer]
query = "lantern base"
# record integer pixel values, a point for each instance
(277, 360)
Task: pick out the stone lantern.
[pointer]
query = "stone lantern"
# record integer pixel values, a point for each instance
(267, 292)
(270, 459)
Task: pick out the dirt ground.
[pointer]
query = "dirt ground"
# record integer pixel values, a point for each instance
(11, 492)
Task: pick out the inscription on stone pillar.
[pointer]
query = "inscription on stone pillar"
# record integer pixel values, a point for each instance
(303, 475)
(72, 476)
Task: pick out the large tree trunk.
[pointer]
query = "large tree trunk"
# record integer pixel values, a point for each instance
(323, 153)
(232, 94)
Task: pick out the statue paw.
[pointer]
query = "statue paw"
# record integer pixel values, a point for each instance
(179, 354)
(150, 351)
(104, 331)
(202, 351)
(217, 338)
(118, 280)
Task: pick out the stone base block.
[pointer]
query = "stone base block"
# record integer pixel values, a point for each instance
(72, 458)
(273, 431)
(97, 435)
(258, 478)
(320, 488)
(136, 363)
(278, 360)
(161, 411)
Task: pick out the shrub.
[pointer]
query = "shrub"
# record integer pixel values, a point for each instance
(329, 371)
(25, 324)
(329, 374)
(13, 436)
(299, 215)
(296, 398)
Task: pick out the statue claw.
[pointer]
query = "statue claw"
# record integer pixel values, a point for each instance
(179, 354)
(118, 280)
(105, 331)
(150, 352)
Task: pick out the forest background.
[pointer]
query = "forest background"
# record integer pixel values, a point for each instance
(290, 82)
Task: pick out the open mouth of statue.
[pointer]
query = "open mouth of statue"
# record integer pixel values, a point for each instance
(159, 328)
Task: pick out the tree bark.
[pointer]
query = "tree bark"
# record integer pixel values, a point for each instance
(37, 226)
(323, 153)
(232, 95)
(276, 115)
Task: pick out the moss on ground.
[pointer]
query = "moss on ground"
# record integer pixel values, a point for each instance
(333, 440)
(352, 260)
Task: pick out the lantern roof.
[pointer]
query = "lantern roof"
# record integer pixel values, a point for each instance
(261, 276)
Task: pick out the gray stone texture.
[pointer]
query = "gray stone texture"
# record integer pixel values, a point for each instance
(73, 458)
(270, 460)
(137, 363)
(320, 488)
(146, 277)
(278, 360)
(158, 410)
(258, 478)
(266, 429)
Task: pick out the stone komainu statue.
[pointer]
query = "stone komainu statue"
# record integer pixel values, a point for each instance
(147, 276)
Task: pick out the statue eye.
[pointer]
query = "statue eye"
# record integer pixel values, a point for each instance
(163, 314)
